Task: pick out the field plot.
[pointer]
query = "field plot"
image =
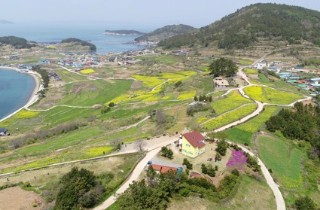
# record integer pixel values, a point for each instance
(250, 71)
(243, 133)
(270, 95)
(87, 71)
(94, 92)
(229, 117)
(251, 195)
(67, 76)
(283, 160)
(231, 101)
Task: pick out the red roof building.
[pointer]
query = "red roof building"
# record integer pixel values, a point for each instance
(195, 138)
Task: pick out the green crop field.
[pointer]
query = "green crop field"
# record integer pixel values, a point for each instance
(270, 95)
(243, 133)
(233, 100)
(94, 92)
(283, 159)
(250, 71)
(229, 117)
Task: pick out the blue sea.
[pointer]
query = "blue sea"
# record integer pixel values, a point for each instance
(15, 91)
(57, 32)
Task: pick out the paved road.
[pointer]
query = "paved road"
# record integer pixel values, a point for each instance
(133, 177)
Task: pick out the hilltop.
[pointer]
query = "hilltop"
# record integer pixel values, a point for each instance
(16, 42)
(165, 33)
(92, 47)
(123, 32)
(254, 23)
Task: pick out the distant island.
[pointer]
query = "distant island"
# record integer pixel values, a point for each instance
(5, 22)
(16, 42)
(123, 32)
(165, 33)
(92, 47)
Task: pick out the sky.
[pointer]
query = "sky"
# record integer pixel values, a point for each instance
(133, 14)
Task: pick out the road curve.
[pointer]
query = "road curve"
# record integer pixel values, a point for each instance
(133, 177)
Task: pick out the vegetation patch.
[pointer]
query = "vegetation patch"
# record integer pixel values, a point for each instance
(187, 95)
(283, 160)
(250, 71)
(87, 71)
(232, 101)
(98, 151)
(270, 95)
(243, 133)
(229, 117)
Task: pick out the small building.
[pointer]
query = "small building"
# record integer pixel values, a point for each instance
(219, 82)
(165, 169)
(192, 144)
(3, 132)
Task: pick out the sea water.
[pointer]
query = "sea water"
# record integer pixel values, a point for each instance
(15, 90)
(57, 32)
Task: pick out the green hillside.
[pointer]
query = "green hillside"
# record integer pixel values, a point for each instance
(165, 32)
(253, 23)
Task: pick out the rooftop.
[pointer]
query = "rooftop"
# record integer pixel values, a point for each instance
(195, 139)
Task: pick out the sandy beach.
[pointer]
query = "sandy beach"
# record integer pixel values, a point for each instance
(34, 96)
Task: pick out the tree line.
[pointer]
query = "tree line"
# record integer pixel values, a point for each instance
(300, 123)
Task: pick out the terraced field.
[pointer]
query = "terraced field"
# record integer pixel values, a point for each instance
(271, 95)
(229, 117)
(243, 133)
(231, 101)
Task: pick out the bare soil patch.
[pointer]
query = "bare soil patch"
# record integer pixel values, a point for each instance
(15, 198)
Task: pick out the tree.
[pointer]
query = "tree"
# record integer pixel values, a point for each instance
(222, 147)
(166, 152)
(305, 203)
(187, 163)
(78, 189)
(223, 67)
(140, 144)
(204, 169)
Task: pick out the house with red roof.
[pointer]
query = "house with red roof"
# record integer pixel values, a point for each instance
(192, 144)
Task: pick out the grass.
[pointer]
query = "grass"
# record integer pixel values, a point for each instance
(270, 95)
(156, 59)
(251, 195)
(284, 160)
(187, 95)
(230, 102)
(97, 151)
(87, 71)
(94, 92)
(229, 117)
(72, 138)
(250, 71)
(26, 114)
(243, 133)
(245, 62)
(47, 179)
(149, 81)
(67, 76)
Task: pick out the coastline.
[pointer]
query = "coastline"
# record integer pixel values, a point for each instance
(34, 95)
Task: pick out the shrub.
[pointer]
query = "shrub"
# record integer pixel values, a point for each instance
(166, 152)
(187, 164)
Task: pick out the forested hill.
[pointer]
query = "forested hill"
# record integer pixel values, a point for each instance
(252, 23)
(16, 42)
(165, 32)
(91, 46)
